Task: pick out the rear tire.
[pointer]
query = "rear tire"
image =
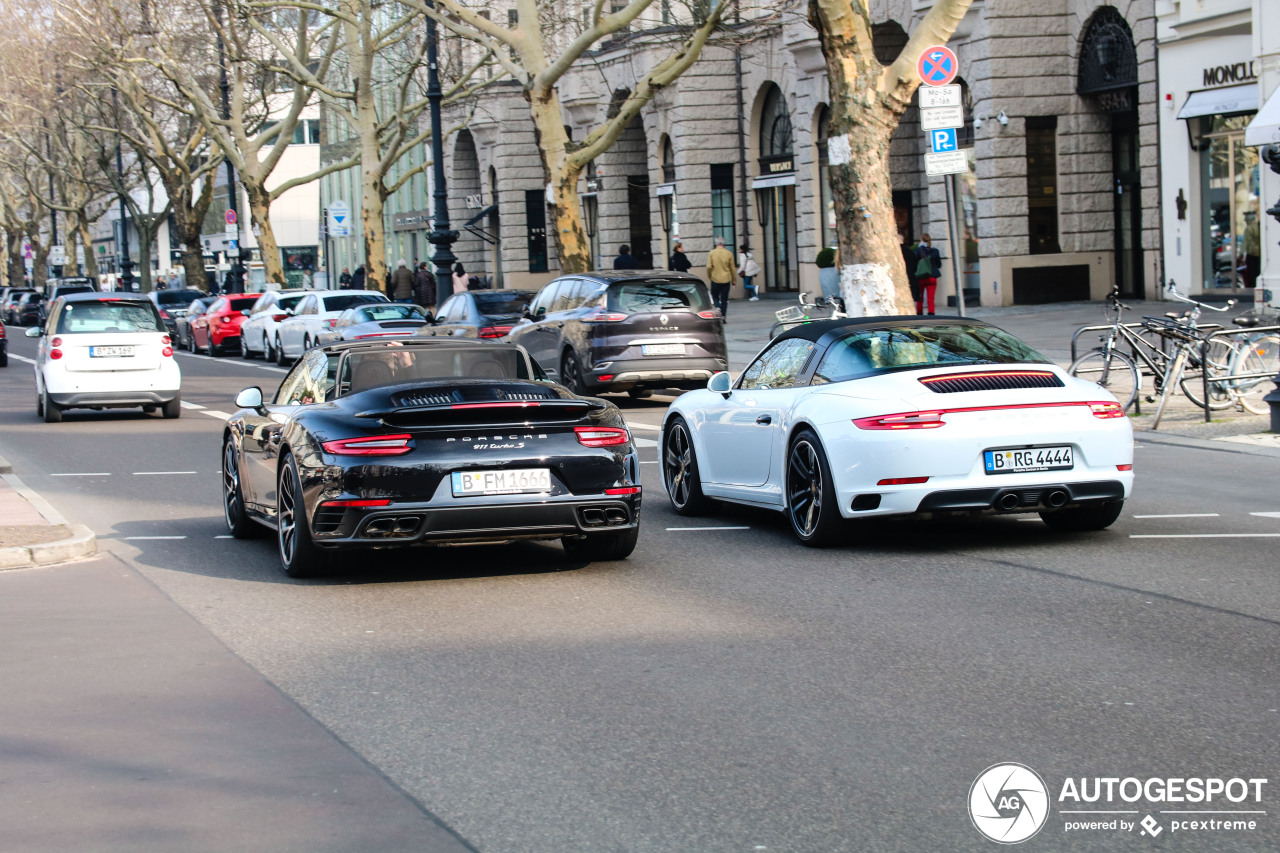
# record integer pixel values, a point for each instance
(4, 358)
(599, 547)
(172, 409)
(680, 471)
(1257, 356)
(245, 352)
(211, 350)
(571, 373)
(282, 360)
(1076, 519)
(51, 411)
(299, 555)
(811, 495)
(1117, 375)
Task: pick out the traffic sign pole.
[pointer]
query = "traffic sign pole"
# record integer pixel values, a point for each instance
(941, 113)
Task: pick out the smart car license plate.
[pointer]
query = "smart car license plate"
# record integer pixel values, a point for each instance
(1022, 459)
(110, 352)
(662, 349)
(516, 481)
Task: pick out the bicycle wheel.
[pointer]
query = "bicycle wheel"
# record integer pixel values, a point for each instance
(1261, 356)
(1114, 372)
(1219, 368)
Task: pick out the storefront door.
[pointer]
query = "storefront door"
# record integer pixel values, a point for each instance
(1128, 203)
(1229, 200)
(780, 273)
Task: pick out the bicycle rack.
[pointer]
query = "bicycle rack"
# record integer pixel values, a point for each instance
(1204, 361)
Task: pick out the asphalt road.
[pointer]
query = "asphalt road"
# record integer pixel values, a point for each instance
(727, 689)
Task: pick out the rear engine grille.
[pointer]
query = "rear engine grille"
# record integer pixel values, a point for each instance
(472, 394)
(996, 380)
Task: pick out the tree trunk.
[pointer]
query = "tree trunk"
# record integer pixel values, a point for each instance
(188, 217)
(40, 261)
(85, 239)
(260, 213)
(573, 249)
(17, 269)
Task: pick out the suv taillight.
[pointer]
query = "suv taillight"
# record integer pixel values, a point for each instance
(601, 316)
(713, 314)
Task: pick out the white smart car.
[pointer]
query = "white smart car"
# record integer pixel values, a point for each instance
(105, 351)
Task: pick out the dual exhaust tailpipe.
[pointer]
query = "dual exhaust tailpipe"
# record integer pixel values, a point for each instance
(1013, 500)
(604, 516)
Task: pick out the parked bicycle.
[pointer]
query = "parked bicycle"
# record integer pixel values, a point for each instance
(1166, 347)
(822, 308)
(1254, 362)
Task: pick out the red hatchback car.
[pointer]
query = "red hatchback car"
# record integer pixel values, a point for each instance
(219, 327)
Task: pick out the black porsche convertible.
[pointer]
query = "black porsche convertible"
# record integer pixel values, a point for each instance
(374, 444)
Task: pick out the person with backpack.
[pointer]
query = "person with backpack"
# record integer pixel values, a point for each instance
(748, 269)
(928, 269)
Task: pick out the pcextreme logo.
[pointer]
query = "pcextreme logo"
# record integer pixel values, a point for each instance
(1009, 803)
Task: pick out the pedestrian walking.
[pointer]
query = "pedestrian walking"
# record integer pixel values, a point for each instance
(460, 279)
(679, 260)
(401, 283)
(344, 280)
(720, 271)
(174, 283)
(306, 279)
(357, 280)
(928, 269)
(424, 287)
(625, 260)
(748, 269)
(909, 260)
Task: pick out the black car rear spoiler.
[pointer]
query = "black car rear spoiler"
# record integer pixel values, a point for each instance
(487, 412)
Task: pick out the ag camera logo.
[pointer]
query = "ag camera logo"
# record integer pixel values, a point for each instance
(1008, 803)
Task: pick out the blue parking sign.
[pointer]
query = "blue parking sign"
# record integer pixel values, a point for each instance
(942, 140)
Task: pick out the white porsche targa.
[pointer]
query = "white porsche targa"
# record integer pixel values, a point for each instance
(881, 416)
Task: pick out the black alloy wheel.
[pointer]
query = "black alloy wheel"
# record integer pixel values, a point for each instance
(1078, 519)
(298, 552)
(680, 471)
(233, 508)
(571, 374)
(811, 495)
(245, 352)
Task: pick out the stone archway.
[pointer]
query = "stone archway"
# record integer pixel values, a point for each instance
(466, 200)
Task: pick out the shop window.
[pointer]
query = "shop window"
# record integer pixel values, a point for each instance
(1042, 184)
(535, 212)
(722, 203)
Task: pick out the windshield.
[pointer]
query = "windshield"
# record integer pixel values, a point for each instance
(241, 303)
(393, 365)
(115, 316)
(497, 302)
(642, 296)
(344, 301)
(292, 301)
(867, 352)
(389, 311)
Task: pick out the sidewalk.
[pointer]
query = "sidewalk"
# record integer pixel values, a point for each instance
(1048, 328)
(33, 533)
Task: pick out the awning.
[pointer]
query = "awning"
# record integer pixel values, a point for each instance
(786, 179)
(1227, 101)
(483, 214)
(1265, 127)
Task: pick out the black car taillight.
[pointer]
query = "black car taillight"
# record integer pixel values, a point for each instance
(601, 436)
(371, 445)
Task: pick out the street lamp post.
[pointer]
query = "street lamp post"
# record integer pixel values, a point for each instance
(236, 282)
(441, 237)
(126, 265)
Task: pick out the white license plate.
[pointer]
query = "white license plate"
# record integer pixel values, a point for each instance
(516, 481)
(110, 352)
(1020, 460)
(662, 349)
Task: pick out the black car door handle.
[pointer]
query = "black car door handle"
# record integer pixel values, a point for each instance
(764, 419)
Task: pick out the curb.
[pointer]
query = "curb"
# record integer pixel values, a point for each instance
(82, 543)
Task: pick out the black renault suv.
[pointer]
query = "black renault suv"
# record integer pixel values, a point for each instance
(625, 330)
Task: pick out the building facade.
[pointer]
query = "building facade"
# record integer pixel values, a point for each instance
(1060, 203)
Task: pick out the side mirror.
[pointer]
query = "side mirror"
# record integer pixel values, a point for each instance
(721, 383)
(250, 398)
(245, 313)
(525, 313)
(541, 312)
(35, 331)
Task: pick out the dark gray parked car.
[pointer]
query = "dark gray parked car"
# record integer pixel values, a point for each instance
(479, 314)
(625, 330)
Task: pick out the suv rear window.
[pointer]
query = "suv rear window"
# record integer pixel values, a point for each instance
(502, 303)
(636, 297)
(182, 298)
(64, 289)
(342, 303)
(113, 316)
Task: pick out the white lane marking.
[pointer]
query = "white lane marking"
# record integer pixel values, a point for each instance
(644, 442)
(1266, 514)
(635, 425)
(96, 474)
(648, 461)
(1203, 535)
(160, 473)
(730, 528)
(224, 536)
(187, 405)
(1183, 515)
(216, 414)
(22, 358)
(1028, 519)
(240, 362)
(138, 538)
